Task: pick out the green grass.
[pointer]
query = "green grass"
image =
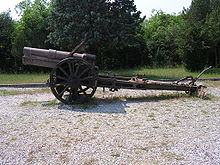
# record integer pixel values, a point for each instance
(115, 155)
(51, 103)
(23, 78)
(150, 73)
(165, 73)
(10, 93)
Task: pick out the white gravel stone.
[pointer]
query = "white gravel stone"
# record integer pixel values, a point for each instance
(140, 128)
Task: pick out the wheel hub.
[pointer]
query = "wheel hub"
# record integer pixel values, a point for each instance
(73, 82)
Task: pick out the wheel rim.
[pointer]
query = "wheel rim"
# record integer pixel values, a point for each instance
(73, 80)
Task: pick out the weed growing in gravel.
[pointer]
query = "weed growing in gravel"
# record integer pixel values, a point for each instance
(115, 155)
(151, 115)
(90, 161)
(206, 97)
(26, 103)
(51, 103)
(32, 92)
(205, 112)
(210, 97)
(9, 93)
(148, 148)
(151, 119)
(171, 156)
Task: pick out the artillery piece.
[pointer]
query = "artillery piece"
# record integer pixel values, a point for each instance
(75, 77)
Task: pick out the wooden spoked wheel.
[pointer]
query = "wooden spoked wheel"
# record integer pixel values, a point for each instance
(73, 80)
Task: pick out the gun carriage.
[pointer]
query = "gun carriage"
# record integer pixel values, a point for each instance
(75, 77)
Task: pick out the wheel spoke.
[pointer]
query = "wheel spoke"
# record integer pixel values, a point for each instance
(73, 66)
(61, 93)
(83, 72)
(61, 77)
(70, 68)
(77, 69)
(60, 84)
(60, 68)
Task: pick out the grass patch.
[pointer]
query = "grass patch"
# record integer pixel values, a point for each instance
(165, 72)
(23, 78)
(26, 103)
(9, 93)
(150, 73)
(210, 97)
(51, 103)
(90, 161)
(148, 148)
(12, 92)
(171, 156)
(115, 155)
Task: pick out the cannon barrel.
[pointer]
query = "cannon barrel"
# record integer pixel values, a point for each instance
(49, 58)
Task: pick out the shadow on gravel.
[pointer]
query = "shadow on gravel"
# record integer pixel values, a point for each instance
(117, 104)
(97, 107)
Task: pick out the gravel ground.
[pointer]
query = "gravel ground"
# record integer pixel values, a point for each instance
(152, 127)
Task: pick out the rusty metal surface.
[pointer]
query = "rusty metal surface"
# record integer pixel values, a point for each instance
(49, 58)
(114, 82)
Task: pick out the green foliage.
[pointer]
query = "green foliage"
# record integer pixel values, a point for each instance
(71, 21)
(31, 30)
(191, 38)
(198, 10)
(161, 33)
(211, 32)
(115, 32)
(201, 34)
(6, 31)
(110, 26)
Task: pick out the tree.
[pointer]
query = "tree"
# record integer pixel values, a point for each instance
(71, 21)
(193, 42)
(200, 23)
(110, 26)
(211, 31)
(31, 30)
(161, 32)
(6, 31)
